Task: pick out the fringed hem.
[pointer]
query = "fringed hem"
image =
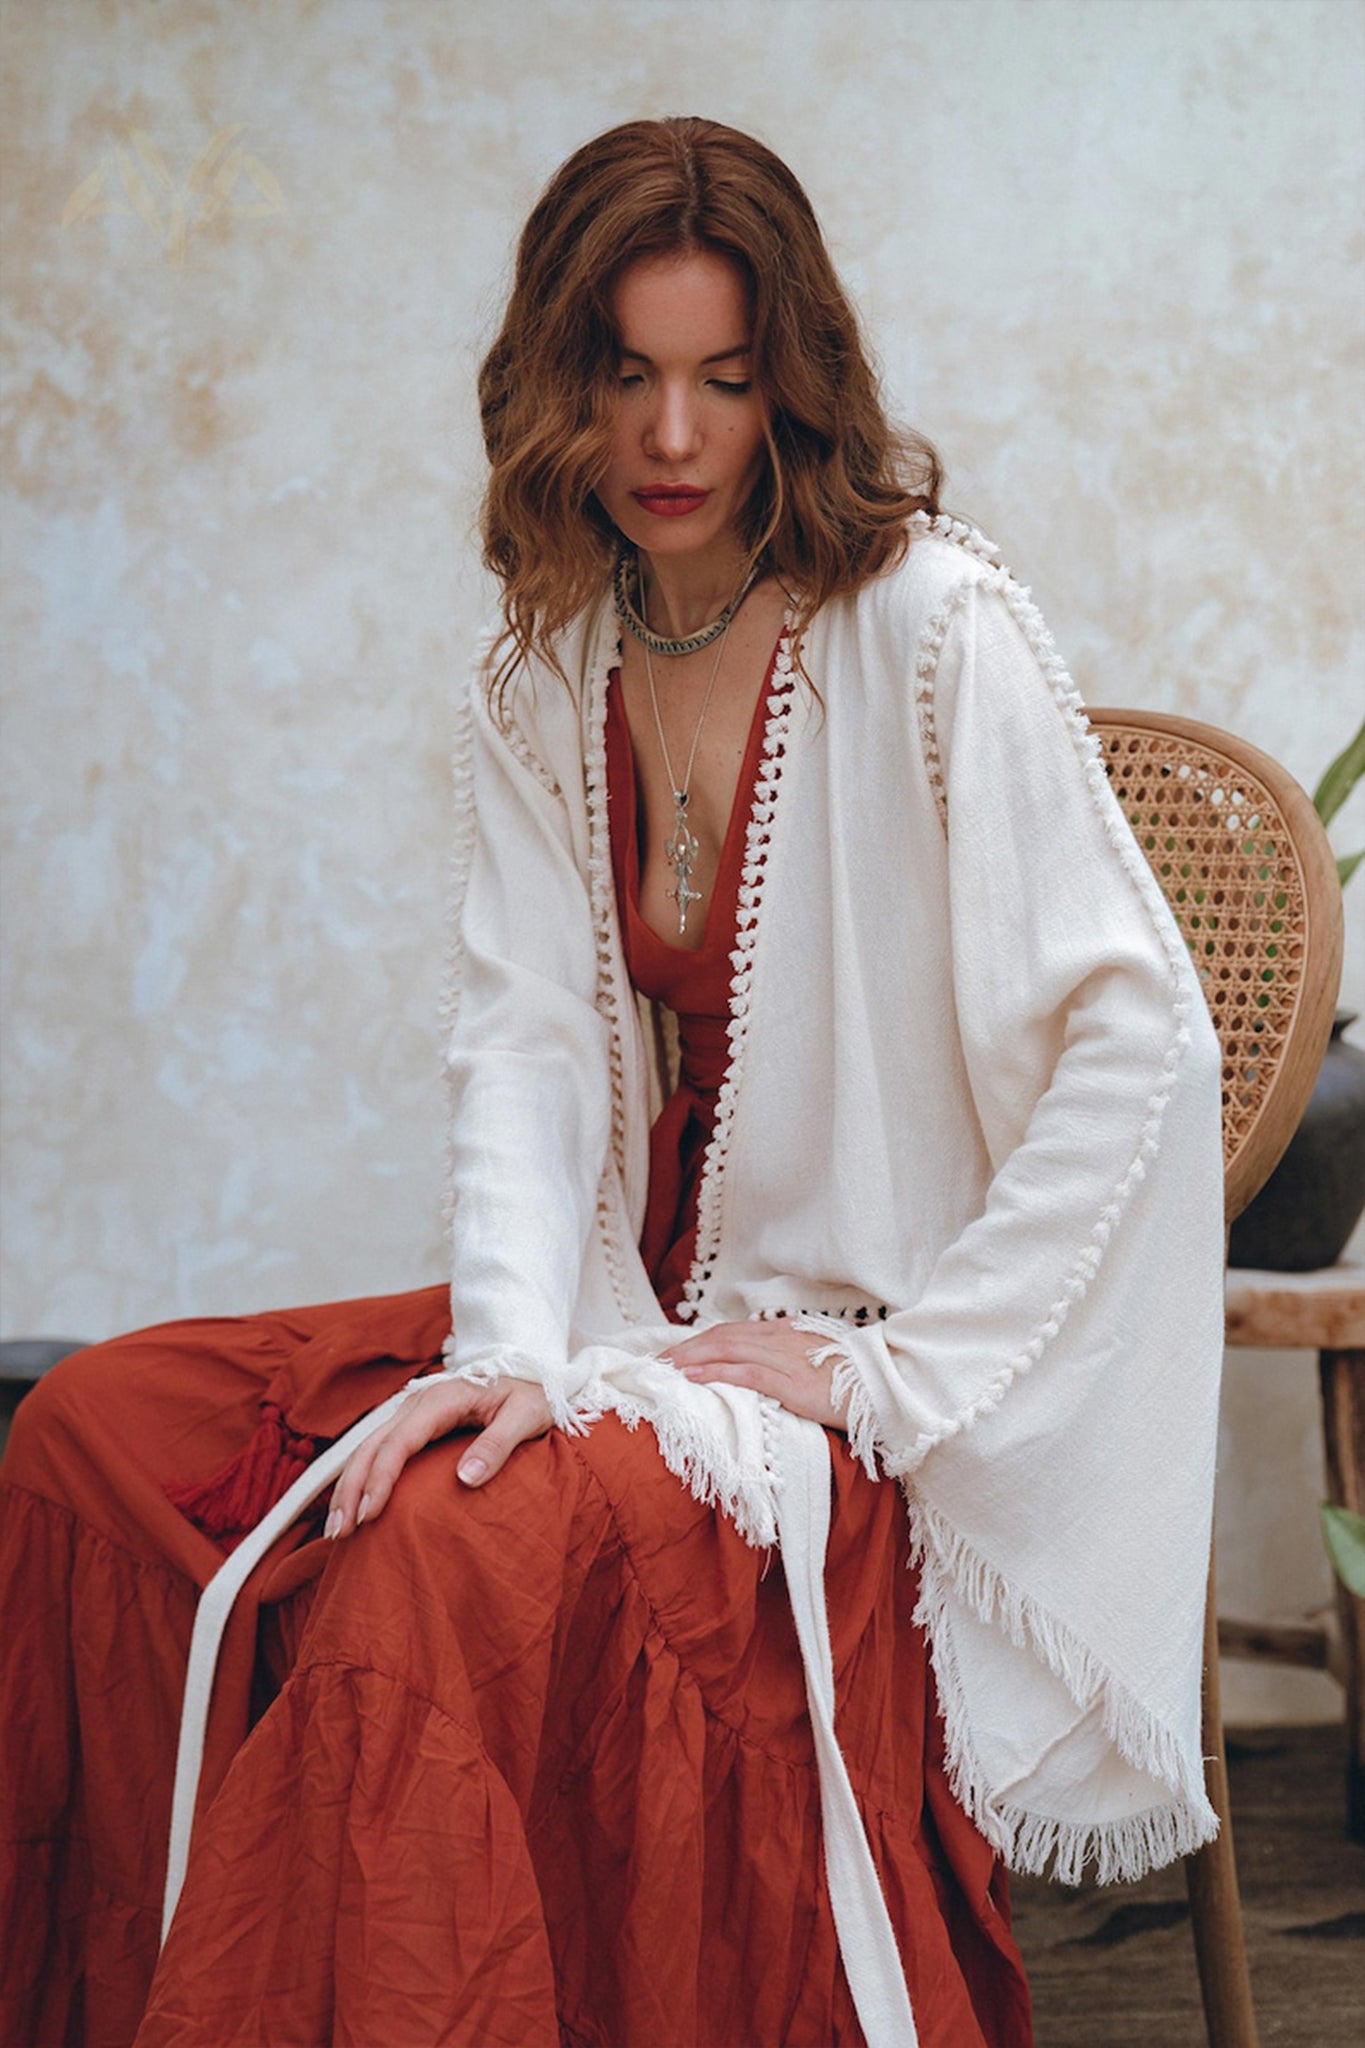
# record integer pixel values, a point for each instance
(574, 1409)
(1120, 1850)
(699, 1458)
(848, 1389)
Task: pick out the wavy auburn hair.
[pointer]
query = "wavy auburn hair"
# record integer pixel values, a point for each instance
(840, 483)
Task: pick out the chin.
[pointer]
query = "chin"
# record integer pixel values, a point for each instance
(673, 539)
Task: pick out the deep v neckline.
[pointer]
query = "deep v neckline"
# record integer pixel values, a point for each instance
(626, 839)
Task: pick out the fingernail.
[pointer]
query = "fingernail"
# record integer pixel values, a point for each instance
(333, 1523)
(693, 1372)
(365, 1505)
(472, 1471)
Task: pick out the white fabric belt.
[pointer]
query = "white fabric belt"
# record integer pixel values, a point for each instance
(211, 1615)
(867, 1941)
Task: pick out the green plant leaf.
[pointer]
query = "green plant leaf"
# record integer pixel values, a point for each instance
(1348, 864)
(1340, 777)
(1344, 1535)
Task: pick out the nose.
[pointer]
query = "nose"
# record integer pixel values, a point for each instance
(673, 431)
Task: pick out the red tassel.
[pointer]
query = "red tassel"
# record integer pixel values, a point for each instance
(227, 1506)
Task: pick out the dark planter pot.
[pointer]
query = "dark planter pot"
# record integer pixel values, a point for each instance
(1308, 1208)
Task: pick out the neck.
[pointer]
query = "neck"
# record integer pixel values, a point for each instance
(683, 596)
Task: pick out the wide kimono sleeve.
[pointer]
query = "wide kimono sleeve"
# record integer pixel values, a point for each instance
(1050, 1399)
(527, 1059)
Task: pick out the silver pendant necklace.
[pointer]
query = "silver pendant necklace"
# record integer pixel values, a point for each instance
(681, 850)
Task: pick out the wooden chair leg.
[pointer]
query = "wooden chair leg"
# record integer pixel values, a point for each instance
(1211, 1875)
(1343, 1419)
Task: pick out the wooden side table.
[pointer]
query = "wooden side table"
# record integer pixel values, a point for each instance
(1322, 1312)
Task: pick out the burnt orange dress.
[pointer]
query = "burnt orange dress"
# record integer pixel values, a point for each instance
(528, 1767)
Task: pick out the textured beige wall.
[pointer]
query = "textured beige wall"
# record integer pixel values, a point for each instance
(1109, 250)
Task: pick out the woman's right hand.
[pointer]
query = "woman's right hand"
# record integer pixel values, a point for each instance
(505, 1415)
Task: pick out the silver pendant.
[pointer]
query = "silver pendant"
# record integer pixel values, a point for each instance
(681, 854)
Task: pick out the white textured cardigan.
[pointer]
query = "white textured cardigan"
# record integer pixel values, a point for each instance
(969, 1132)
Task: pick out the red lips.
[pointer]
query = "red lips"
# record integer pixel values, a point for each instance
(670, 501)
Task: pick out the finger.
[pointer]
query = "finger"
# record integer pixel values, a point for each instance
(785, 1358)
(704, 1345)
(728, 1340)
(430, 1420)
(350, 1487)
(372, 1471)
(802, 1394)
(756, 1373)
(521, 1415)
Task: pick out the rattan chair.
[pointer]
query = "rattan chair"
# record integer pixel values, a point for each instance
(1245, 865)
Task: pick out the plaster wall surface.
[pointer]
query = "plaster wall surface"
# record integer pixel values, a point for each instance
(1110, 254)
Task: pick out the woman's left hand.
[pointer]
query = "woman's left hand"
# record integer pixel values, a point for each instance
(771, 1357)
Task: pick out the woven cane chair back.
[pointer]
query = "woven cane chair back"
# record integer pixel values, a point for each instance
(1244, 863)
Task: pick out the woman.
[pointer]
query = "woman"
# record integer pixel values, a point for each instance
(616, 1715)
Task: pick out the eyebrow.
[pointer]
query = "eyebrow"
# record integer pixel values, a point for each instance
(723, 355)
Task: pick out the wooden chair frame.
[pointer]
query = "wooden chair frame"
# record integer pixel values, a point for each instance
(1243, 861)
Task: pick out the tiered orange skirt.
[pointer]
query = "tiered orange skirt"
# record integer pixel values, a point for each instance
(528, 1765)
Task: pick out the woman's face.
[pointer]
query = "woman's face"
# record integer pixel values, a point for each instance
(687, 447)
